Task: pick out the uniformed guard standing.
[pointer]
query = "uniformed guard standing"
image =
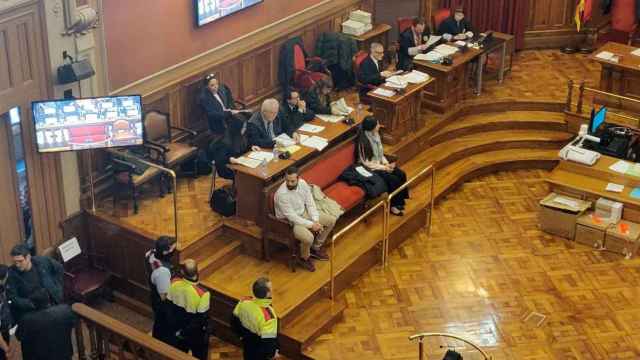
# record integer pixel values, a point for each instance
(158, 266)
(256, 323)
(189, 312)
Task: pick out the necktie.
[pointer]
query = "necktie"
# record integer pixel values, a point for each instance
(270, 129)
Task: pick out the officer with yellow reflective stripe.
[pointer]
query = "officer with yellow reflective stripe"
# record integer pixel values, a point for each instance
(255, 322)
(189, 312)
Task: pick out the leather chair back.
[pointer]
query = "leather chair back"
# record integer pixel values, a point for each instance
(439, 16)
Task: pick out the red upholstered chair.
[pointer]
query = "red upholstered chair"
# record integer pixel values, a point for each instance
(439, 16)
(324, 173)
(306, 73)
(624, 27)
(404, 23)
(358, 58)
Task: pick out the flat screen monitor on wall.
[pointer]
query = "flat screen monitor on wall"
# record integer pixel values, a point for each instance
(90, 123)
(211, 10)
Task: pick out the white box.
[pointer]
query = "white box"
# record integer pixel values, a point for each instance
(351, 27)
(609, 209)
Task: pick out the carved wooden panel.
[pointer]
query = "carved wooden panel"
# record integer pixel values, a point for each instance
(549, 14)
(6, 83)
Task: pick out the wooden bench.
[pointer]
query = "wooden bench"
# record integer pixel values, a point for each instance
(323, 172)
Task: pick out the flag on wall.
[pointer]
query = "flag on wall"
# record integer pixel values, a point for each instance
(583, 12)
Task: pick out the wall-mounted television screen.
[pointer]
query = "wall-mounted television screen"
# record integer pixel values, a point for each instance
(211, 10)
(89, 123)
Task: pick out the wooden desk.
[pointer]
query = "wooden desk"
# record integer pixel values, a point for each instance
(623, 77)
(399, 114)
(589, 182)
(378, 32)
(250, 183)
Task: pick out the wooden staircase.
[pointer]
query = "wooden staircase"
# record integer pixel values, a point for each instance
(461, 148)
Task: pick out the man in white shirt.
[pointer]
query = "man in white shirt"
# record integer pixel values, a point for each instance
(294, 203)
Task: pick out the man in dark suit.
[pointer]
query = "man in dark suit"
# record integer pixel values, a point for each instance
(412, 43)
(370, 71)
(294, 112)
(266, 124)
(456, 27)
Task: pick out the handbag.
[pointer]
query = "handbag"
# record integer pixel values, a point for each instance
(222, 200)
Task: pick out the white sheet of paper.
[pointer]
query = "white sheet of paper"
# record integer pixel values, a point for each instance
(315, 142)
(362, 171)
(330, 118)
(566, 201)
(284, 140)
(636, 52)
(614, 187)
(261, 155)
(310, 128)
(69, 249)
(250, 163)
(433, 39)
(620, 166)
(605, 55)
(384, 92)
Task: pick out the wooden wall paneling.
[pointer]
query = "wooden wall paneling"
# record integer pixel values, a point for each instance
(264, 71)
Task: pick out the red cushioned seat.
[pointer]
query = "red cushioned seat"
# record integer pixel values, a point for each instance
(326, 172)
(344, 194)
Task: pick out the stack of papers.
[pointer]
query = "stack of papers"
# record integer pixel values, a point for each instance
(432, 56)
(416, 77)
(396, 82)
(310, 128)
(446, 50)
(315, 142)
(608, 56)
(330, 118)
(614, 187)
(636, 52)
(284, 140)
(361, 16)
(250, 163)
(384, 92)
(340, 107)
(566, 201)
(260, 155)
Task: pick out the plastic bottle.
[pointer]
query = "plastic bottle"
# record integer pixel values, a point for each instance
(275, 154)
(263, 168)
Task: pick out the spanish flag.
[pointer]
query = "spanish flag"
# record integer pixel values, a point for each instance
(583, 12)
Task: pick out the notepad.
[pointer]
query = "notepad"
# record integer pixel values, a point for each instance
(614, 187)
(310, 128)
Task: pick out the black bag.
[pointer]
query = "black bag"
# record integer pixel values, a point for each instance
(452, 355)
(223, 200)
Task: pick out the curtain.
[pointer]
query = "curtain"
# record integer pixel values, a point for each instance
(507, 16)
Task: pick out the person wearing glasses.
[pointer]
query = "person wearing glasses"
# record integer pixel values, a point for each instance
(371, 70)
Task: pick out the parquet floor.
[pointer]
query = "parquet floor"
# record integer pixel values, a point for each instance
(485, 267)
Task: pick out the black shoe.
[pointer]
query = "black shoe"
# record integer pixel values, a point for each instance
(319, 255)
(306, 264)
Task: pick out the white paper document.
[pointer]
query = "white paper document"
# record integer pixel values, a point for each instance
(284, 140)
(446, 50)
(384, 92)
(620, 166)
(433, 39)
(330, 118)
(310, 128)
(614, 187)
(605, 55)
(432, 56)
(396, 82)
(566, 201)
(362, 171)
(416, 77)
(250, 163)
(460, 43)
(636, 52)
(69, 249)
(340, 107)
(315, 142)
(261, 155)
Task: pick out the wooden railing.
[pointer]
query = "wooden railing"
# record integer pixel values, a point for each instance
(420, 337)
(99, 336)
(605, 98)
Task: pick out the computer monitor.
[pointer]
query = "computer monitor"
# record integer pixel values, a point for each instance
(597, 119)
(89, 123)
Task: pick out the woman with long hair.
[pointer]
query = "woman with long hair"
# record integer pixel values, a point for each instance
(318, 97)
(371, 155)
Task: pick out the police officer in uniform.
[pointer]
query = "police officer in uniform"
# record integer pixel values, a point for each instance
(158, 266)
(256, 323)
(189, 312)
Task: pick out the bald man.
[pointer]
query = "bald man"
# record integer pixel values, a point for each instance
(266, 124)
(189, 312)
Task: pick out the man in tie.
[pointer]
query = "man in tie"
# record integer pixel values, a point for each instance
(456, 27)
(295, 112)
(370, 71)
(266, 124)
(412, 43)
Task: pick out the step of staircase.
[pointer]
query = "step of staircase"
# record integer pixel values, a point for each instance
(210, 259)
(509, 120)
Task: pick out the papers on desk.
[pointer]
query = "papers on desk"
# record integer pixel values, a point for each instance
(566, 201)
(460, 43)
(636, 52)
(250, 163)
(608, 56)
(446, 50)
(384, 92)
(620, 166)
(614, 187)
(284, 140)
(416, 77)
(310, 128)
(433, 39)
(261, 155)
(396, 82)
(340, 107)
(330, 118)
(315, 142)
(432, 56)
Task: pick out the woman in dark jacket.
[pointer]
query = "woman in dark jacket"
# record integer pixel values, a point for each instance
(371, 155)
(217, 104)
(317, 97)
